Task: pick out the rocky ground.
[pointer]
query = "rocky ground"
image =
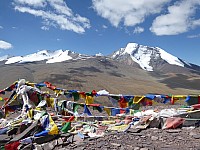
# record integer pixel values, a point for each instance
(185, 138)
(148, 139)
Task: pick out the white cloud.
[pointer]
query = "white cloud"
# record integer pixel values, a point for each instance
(1, 27)
(60, 7)
(58, 15)
(5, 45)
(34, 3)
(45, 28)
(104, 26)
(196, 23)
(180, 19)
(129, 12)
(194, 36)
(138, 30)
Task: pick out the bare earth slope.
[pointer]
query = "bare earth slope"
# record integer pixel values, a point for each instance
(102, 73)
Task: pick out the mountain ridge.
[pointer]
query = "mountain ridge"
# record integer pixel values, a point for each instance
(146, 57)
(122, 74)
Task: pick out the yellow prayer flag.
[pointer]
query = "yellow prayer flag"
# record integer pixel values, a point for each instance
(89, 100)
(108, 111)
(30, 114)
(53, 130)
(137, 99)
(82, 96)
(50, 102)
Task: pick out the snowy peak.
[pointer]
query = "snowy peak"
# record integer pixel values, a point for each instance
(146, 56)
(44, 55)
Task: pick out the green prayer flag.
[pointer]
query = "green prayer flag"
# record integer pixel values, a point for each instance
(97, 108)
(75, 107)
(116, 97)
(2, 148)
(66, 127)
(130, 102)
(76, 96)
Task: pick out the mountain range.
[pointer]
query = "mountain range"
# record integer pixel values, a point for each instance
(135, 69)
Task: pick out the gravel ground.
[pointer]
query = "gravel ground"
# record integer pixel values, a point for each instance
(185, 138)
(149, 139)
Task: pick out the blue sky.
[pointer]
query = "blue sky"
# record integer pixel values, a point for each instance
(93, 26)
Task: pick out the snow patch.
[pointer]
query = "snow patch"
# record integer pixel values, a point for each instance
(13, 60)
(142, 56)
(130, 48)
(51, 57)
(99, 54)
(60, 58)
(170, 58)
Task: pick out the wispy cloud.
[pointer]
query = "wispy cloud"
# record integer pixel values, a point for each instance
(45, 28)
(59, 15)
(138, 30)
(179, 19)
(104, 26)
(196, 23)
(1, 27)
(5, 45)
(34, 3)
(130, 13)
(194, 36)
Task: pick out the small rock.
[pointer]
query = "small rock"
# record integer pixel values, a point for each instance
(70, 139)
(136, 148)
(27, 147)
(197, 136)
(59, 141)
(115, 144)
(154, 138)
(52, 144)
(148, 143)
(38, 147)
(77, 139)
(173, 130)
(179, 137)
(91, 138)
(46, 146)
(144, 148)
(175, 134)
(137, 134)
(192, 133)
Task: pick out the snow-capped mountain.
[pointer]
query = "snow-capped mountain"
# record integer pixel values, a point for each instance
(44, 55)
(148, 58)
(145, 57)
